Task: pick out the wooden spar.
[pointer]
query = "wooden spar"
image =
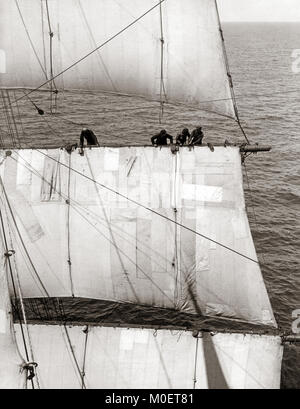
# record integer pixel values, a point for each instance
(255, 148)
(291, 339)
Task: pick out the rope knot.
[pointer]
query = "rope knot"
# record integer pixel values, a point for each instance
(9, 253)
(30, 368)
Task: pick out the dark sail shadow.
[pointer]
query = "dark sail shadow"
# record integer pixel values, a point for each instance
(214, 372)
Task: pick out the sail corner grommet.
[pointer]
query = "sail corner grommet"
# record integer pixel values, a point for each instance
(8, 153)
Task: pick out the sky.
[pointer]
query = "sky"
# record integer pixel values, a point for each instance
(259, 10)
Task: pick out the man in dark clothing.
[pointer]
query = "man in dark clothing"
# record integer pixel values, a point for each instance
(89, 136)
(161, 138)
(183, 137)
(196, 137)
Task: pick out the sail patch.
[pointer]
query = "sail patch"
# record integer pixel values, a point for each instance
(202, 193)
(2, 322)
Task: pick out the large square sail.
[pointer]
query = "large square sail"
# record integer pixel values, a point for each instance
(174, 53)
(138, 225)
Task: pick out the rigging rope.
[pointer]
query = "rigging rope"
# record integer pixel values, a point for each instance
(229, 76)
(95, 45)
(22, 305)
(113, 238)
(30, 40)
(68, 228)
(21, 239)
(8, 254)
(86, 331)
(74, 357)
(53, 88)
(195, 364)
(162, 92)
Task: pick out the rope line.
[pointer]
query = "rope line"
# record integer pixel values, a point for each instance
(23, 307)
(229, 76)
(7, 255)
(195, 364)
(21, 239)
(86, 331)
(79, 5)
(74, 357)
(162, 92)
(68, 228)
(30, 40)
(53, 88)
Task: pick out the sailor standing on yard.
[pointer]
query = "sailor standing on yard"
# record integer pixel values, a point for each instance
(196, 137)
(161, 138)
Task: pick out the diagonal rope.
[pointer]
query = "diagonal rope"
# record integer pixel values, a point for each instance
(20, 237)
(30, 40)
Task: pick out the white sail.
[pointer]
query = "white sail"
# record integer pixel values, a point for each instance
(118, 239)
(11, 374)
(115, 358)
(189, 68)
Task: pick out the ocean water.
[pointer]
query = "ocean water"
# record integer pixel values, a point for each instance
(268, 97)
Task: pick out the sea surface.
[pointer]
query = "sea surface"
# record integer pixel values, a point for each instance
(268, 98)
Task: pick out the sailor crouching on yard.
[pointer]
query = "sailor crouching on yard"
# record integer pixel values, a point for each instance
(183, 137)
(196, 137)
(89, 136)
(162, 138)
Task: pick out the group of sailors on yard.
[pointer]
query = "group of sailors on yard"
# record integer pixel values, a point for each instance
(183, 138)
(161, 139)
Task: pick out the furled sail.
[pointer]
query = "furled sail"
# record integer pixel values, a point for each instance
(11, 374)
(116, 358)
(174, 53)
(138, 225)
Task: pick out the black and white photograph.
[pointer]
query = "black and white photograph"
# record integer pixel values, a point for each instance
(149, 197)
